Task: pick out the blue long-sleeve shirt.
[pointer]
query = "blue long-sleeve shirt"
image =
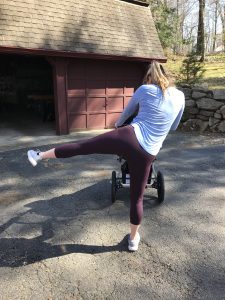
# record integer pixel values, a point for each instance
(157, 115)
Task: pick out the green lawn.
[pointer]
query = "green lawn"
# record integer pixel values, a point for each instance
(214, 75)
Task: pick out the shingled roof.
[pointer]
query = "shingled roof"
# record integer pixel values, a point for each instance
(103, 27)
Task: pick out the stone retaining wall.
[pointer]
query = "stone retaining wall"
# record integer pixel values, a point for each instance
(204, 110)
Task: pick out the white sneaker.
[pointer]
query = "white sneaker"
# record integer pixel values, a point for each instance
(133, 244)
(33, 157)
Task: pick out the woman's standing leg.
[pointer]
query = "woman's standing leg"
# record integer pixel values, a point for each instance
(139, 169)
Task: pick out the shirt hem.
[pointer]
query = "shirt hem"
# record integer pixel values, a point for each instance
(136, 127)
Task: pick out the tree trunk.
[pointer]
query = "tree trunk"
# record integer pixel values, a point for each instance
(201, 31)
(177, 44)
(221, 9)
(215, 26)
(223, 25)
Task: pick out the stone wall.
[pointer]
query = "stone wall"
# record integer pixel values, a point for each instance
(204, 109)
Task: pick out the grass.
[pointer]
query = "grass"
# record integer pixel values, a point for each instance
(214, 66)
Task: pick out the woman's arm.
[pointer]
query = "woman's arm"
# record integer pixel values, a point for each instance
(131, 108)
(178, 118)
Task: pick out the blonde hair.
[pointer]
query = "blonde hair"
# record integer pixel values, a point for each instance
(156, 75)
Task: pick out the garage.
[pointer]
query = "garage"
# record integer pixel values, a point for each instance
(75, 62)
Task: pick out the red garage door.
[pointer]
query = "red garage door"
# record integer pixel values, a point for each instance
(98, 91)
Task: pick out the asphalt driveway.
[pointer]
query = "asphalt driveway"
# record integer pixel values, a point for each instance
(61, 238)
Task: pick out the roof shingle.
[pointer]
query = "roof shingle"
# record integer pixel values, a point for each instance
(109, 27)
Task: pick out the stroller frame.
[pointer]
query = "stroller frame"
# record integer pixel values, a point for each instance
(155, 180)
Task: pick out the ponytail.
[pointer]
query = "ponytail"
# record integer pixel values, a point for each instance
(157, 75)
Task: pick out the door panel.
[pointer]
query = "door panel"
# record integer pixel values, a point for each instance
(96, 121)
(96, 104)
(77, 104)
(115, 104)
(77, 121)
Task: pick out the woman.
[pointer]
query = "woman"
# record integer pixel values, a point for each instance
(160, 109)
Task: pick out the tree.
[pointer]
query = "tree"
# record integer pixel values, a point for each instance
(215, 25)
(187, 24)
(165, 19)
(221, 9)
(200, 48)
(184, 25)
(192, 69)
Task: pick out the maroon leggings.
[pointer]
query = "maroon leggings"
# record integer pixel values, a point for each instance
(123, 142)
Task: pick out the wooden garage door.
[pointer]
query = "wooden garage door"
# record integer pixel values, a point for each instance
(98, 91)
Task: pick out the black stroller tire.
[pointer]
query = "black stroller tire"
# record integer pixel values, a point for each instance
(113, 187)
(160, 187)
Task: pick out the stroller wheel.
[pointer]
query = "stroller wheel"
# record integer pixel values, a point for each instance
(160, 187)
(113, 187)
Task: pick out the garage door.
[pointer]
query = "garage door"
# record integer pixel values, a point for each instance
(98, 91)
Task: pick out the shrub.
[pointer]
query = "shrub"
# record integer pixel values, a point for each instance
(192, 69)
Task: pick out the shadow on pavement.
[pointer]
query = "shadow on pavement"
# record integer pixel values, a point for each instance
(47, 215)
(52, 217)
(17, 252)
